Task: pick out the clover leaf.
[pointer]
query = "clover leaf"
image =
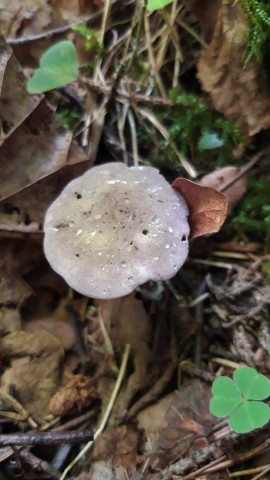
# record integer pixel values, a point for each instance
(58, 67)
(240, 399)
(210, 141)
(157, 4)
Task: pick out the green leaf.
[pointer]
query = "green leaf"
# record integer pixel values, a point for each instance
(157, 4)
(226, 397)
(209, 141)
(248, 416)
(58, 66)
(252, 384)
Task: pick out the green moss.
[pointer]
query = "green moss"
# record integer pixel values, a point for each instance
(91, 42)
(201, 134)
(253, 216)
(69, 117)
(266, 271)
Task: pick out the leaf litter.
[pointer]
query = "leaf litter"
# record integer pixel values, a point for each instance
(61, 354)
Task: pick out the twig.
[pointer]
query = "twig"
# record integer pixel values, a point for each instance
(199, 311)
(22, 415)
(190, 169)
(152, 59)
(245, 169)
(106, 414)
(38, 464)
(44, 438)
(134, 136)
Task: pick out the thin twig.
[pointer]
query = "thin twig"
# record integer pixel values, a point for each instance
(245, 169)
(152, 59)
(44, 438)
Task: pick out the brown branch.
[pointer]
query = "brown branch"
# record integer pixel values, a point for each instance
(45, 438)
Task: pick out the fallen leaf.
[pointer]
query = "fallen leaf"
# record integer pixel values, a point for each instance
(37, 148)
(175, 424)
(33, 144)
(218, 178)
(62, 330)
(35, 369)
(207, 207)
(32, 16)
(13, 289)
(15, 103)
(119, 446)
(236, 87)
(206, 11)
(10, 320)
(19, 212)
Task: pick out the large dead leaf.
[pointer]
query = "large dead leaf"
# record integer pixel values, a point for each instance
(207, 207)
(36, 149)
(237, 88)
(33, 144)
(13, 289)
(15, 103)
(35, 368)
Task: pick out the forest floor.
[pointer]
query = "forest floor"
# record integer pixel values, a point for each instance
(182, 89)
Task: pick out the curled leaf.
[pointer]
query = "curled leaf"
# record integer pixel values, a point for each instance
(207, 207)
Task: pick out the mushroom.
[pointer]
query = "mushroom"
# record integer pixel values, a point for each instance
(114, 228)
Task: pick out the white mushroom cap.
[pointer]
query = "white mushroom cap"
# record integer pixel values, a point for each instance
(114, 228)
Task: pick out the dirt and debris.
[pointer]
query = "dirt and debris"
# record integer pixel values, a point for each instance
(135, 371)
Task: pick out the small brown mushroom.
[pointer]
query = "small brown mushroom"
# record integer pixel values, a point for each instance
(114, 228)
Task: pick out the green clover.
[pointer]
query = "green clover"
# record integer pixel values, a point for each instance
(58, 66)
(210, 141)
(157, 4)
(240, 399)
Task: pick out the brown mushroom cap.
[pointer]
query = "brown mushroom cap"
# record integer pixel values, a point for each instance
(114, 228)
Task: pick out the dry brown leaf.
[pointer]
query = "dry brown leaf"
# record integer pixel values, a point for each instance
(207, 207)
(59, 328)
(15, 103)
(34, 144)
(28, 16)
(10, 320)
(237, 88)
(178, 422)
(206, 11)
(218, 178)
(74, 396)
(35, 369)
(37, 148)
(13, 289)
(20, 213)
(119, 446)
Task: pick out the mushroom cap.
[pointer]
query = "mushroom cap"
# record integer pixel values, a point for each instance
(114, 228)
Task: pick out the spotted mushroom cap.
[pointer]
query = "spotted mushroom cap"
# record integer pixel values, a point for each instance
(114, 228)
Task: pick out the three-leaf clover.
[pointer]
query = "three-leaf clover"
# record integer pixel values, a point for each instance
(58, 66)
(240, 399)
